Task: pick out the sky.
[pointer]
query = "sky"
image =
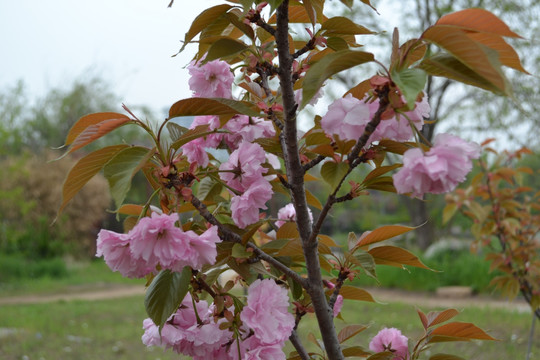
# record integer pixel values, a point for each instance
(129, 43)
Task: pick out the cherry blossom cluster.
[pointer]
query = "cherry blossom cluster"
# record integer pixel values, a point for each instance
(391, 339)
(194, 331)
(438, 170)
(347, 118)
(156, 240)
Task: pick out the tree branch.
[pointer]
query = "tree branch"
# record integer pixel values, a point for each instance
(230, 236)
(295, 340)
(295, 176)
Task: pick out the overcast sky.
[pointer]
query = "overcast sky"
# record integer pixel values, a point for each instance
(128, 42)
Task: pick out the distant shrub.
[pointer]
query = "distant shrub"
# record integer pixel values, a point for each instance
(29, 199)
(456, 268)
(16, 267)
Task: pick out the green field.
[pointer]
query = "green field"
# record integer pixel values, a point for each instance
(111, 329)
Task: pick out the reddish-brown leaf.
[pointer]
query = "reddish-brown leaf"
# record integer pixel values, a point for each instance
(395, 256)
(458, 331)
(383, 233)
(354, 293)
(349, 331)
(83, 123)
(477, 20)
(507, 55)
(467, 51)
(84, 170)
(438, 317)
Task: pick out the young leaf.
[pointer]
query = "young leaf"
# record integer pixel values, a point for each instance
(175, 130)
(287, 231)
(122, 167)
(354, 293)
(165, 294)
(211, 106)
(340, 25)
(411, 82)
(329, 65)
(395, 256)
(84, 170)
(475, 56)
(355, 351)
(192, 134)
(438, 317)
(458, 331)
(477, 20)
(208, 188)
(448, 66)
(507, 55)
(92, 127)
(333, 172)
(349, 331)
(381, 170)
(312, 200)
(202, 21)
(383, 233)
(223, 48)
(386, 355)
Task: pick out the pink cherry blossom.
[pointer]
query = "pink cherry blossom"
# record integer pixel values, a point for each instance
(266, 312)
(201, 249)
(391, 340)
(156, 239)
(213, 79)
(186, 335)
(243, 168)
(288, 213)
(338, 305)
(346, 117)
(437, 171)
(195, 152)
(245, 207)
(115, 249)
(248, 128)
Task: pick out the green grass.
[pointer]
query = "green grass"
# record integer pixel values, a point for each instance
(78, 277)
(111, 329)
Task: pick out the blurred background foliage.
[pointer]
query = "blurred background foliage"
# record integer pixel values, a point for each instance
(30, 129)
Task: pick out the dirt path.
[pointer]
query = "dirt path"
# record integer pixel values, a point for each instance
(427, 300)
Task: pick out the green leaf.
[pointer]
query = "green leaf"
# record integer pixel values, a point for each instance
(239, 252)
(366, 262)
(330, 65)
(212, 106)
(274, 4)
(296, 289)
(333, 172)
(449, 212)
(175, 130)
(340, 25)
(395, 256)
(411, 82)
(202, 21)
(448, 66)
(386, 355)
(165, 294)
(84, 170)
(223, 48)
(208, 189)
(122, 167)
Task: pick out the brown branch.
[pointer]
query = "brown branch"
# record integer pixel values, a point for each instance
(313, 162)
(297, 343)
(230, 236)
(295, 176)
